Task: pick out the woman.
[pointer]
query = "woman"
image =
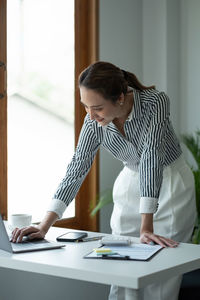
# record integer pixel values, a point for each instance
(154, 190)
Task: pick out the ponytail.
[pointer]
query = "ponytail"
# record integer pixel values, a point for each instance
(134, 82)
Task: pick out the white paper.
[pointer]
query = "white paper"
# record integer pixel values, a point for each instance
(134, 252)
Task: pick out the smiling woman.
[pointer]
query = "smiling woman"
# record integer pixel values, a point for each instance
(134, 125)
(106, 95)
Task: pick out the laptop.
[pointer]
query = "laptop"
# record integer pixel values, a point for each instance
(26, 245)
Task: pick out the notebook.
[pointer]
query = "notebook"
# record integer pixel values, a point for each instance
(26, 245)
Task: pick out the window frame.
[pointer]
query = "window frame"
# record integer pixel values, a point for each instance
(86, 52)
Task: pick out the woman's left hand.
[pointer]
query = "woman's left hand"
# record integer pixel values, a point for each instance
(149, 237)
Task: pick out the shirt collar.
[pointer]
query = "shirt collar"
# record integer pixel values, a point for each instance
(136, 111)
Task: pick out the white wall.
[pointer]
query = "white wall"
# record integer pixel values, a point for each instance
(190, 65)
(161, 31)
(121, 44)
(159, 41)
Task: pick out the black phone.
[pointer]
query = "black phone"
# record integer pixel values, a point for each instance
(72, 236)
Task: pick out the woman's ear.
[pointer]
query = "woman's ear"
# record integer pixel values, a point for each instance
(121, 99)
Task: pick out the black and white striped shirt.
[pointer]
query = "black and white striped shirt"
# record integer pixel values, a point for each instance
(148, 146)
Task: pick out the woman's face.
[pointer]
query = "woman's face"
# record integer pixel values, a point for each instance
(99, 109)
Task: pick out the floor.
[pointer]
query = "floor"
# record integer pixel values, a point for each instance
(190, 287)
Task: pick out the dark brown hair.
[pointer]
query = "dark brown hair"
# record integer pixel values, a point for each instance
(109, 80)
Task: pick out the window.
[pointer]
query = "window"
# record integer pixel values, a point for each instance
(85, 38)
(40, 63)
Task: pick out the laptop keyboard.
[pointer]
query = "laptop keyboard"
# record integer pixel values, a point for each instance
(27, 244)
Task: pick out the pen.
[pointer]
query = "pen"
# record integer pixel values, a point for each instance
(115, 256)
(91, 239)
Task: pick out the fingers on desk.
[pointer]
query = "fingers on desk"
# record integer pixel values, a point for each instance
(168, 242)
(150, 238)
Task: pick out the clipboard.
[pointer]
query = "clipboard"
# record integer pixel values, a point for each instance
(139, 252)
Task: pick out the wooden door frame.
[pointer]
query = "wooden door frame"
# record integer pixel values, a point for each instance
(86, 52)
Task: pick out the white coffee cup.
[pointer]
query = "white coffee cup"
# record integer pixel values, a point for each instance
(20, 220)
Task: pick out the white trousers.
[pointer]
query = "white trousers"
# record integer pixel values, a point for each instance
(174, 219)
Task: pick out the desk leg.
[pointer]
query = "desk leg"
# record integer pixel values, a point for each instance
(120, 293)
(131, 294)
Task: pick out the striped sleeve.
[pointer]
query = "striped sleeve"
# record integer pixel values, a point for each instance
(153, 156)
(77, 169)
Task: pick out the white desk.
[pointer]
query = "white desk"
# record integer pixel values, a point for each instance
(69, 263)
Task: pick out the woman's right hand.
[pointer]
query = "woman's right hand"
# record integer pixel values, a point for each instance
(32, 232)
(35, 232)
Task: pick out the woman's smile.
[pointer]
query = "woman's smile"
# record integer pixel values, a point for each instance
(99, 120)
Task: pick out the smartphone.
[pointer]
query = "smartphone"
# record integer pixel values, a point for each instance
(71, 236)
